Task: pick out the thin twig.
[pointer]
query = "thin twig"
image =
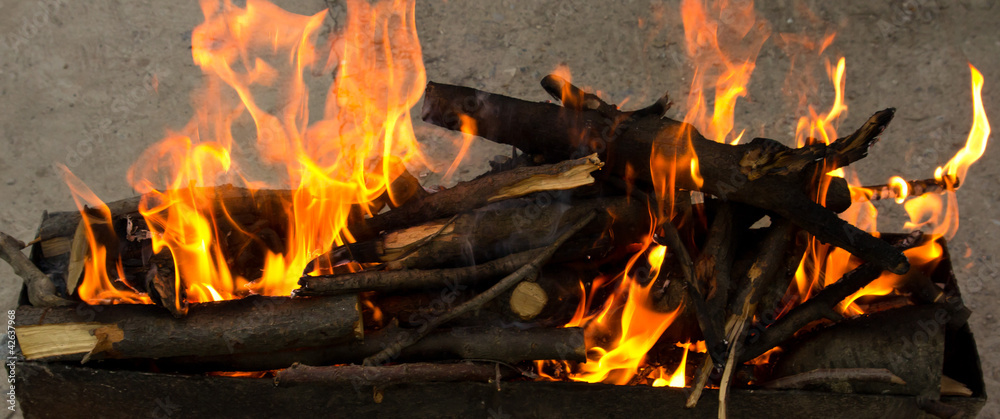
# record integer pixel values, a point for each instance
(407, 338)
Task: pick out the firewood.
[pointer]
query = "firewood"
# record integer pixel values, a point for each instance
(41, 290)
(508, 345)
(502, 229)
(358, 375)
(528, 299)
(411, 279)
(819, 306)
(913, 188)
(762, 173)
(909, 341)
(469, 195)
(251, 324)
(831, 377)
(407, 338)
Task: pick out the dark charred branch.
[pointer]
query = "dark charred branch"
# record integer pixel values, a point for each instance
(713, 267)
(163, 285)
(895, 191)
(358, 375)
(818, 307)
(411, 279)
(711, 330)
(762, 173)
(467, 196)
(251, 324)
(508, 345)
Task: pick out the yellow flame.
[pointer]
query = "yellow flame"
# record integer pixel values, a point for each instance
(979, 134)
(341, 162)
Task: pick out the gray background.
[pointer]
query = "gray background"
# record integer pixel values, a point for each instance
(75, 89)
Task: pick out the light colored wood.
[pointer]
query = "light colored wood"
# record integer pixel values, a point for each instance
(528, 299)
(576, 176)
(950, 387)
(48, 340)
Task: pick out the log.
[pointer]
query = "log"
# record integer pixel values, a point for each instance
(818, 307)
(528, 299)
(411, 279)
(406, 338)
(834, 377)
(252, 324)
(469, 195)
(359, 375)
(762, 173)
(908, 341)
(506, 228)
(510, 345)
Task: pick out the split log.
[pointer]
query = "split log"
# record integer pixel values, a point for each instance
(908, 341)
(762, 173)
(467, 196)
(493, 343)
(358, 375)
(251, 324)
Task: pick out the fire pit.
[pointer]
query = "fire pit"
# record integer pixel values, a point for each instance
(618, 255)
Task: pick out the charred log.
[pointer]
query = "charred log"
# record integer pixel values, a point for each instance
(762, 173)
(252, 324)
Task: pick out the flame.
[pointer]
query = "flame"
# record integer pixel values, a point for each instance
(341, 162)
(633, 329)
(979, 134)
(734, 61)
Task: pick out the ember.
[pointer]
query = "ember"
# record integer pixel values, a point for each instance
(612, 246)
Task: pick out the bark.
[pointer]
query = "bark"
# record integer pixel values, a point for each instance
(467, 196)
(357, 375)
(411, 279)
(252, 324)
(907, 341)
(409, 337)
(762, 173)
(507, 228)
(41, 290)
(818, 307)
(508, 345)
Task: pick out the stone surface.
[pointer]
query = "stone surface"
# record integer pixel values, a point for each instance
(76, 88)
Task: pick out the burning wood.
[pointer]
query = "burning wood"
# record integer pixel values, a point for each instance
(620, 245)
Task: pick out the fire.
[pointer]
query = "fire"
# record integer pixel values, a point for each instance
(628, 320)
(975, 145)
(734, 61)
(333, 164)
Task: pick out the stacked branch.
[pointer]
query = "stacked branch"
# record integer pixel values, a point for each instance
(442, 271)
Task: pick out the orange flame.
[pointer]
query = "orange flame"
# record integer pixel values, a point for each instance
(735, 61)
(979, 134)
(638, 326)
(343, 161)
